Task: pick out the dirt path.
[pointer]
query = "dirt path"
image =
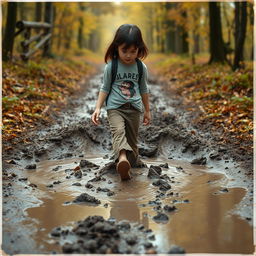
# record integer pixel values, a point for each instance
(166, 203)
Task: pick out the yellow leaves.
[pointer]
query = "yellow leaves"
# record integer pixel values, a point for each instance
(224, 97)
(28, 99)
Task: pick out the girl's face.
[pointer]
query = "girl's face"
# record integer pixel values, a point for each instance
(127, 56)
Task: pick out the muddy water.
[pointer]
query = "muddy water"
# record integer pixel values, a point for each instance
(203, 221)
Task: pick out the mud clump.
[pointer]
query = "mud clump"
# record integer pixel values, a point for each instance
(162, 184)
(88, 164)
(154, 172)
(97, 235)
(86, 198)
(175, 249)
(199, 161)
(31, 166)
(161, 218)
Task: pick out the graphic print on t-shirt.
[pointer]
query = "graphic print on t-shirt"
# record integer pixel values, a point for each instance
(127, 89)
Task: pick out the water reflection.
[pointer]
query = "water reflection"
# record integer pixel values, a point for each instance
(202, 225)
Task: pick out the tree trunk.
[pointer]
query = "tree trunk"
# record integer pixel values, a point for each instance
(216, 40)
(48, 17)
(8, 41)
(80, 35)
(185, 47)
(38, 12)
(240, 26)
(251, 22)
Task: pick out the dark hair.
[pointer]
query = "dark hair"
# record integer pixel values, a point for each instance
(130, 35)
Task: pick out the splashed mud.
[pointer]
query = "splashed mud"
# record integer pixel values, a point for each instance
(201, 208)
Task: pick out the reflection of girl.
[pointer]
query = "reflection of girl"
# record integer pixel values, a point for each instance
(127, 89)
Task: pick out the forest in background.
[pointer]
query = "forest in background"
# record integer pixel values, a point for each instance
(183, 38)
(180, 28)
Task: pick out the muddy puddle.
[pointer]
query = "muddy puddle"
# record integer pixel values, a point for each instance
(202, 221)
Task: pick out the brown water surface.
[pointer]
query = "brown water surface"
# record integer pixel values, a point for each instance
(203, 224)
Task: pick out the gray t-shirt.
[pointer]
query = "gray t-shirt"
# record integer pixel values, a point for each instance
(125, 87)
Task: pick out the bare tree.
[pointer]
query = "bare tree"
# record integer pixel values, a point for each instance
(217, 49)
(9, 35)
(240, 32)
(48, 17)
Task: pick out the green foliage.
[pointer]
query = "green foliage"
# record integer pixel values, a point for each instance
(9, 102)
(243, 101)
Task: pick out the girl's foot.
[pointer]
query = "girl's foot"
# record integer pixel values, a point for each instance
(123, 168)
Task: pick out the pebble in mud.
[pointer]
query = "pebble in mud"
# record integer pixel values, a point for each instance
(163, 185)
(88, 164)
(30, 166)
(170, 208)
(77, 184)
(78, 174)
(86, 198)
(175, 249)
(164, 165)
(154, 172)
(97, 235)
(199, 161)
(161, 218)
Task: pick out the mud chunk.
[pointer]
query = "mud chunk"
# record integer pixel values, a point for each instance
(161, 217)
(55, 139)
(77, 184)
(148, 151)
(162, 184)
(148, 245)
(30, 166)
(88, 185)
(56, 182)
(88, 164)
(97, 178)
(154, 172)
(23, 179)
(86, 198)
(169, 208)
(56, 232)
(55, 169)
(165, 177)
(78, 174)
(68, 248)
(131, 239)
(214, 155)
(103, 189)
(65, 155)
(124, 225)
(110, 193)
(199, 161)
(175, 249)
(40, 152)
(164, 165)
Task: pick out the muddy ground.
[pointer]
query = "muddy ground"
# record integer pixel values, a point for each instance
(68, 166)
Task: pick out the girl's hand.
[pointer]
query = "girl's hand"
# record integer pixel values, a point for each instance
(146, 118)
(95, 116)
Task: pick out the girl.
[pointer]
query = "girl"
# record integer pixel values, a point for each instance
(125, 94)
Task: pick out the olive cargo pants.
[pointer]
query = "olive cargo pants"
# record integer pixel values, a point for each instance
(124, 125)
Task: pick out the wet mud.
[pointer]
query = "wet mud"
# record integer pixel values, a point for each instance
(61, 193)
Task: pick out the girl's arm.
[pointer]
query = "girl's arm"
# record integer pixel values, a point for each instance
(101, 98)
(147, 114)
